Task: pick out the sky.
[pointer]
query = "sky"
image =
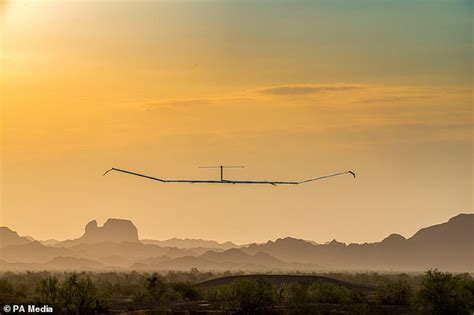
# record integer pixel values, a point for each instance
(290, 89)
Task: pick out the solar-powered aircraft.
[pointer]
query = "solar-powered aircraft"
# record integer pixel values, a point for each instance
(228, 181)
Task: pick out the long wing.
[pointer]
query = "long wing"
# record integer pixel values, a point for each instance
(326, 176)
(200, 181)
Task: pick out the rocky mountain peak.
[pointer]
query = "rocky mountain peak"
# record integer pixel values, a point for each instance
(113, 230)
(9, 237)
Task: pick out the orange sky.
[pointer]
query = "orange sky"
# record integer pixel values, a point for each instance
(289, 89)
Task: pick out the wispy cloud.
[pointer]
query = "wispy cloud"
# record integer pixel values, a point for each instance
(187, 103)
(307, 89)
(394, 98)
(325, 96)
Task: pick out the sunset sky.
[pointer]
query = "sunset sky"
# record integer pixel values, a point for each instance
(290, 89)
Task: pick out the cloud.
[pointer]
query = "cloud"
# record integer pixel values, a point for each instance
(325, 96)
(307, 89)
(187, 103)
(394, 98)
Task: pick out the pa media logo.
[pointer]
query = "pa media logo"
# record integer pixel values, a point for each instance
(18, 308)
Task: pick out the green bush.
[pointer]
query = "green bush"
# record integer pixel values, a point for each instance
(155, 287)
(298, 298)
(138, 295)
(78, 295)
(444, 293)
(171, 295)
(187, 291)
(49, 290)
(252, 297)
(7, 292)
(396, 293)
(329, 293)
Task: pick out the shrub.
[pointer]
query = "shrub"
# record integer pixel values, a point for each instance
(329, 293)
(252, 297)
(298, 299)
(155, 287)
(48, 290)
(396, 293)
(443, 293)
(78, 295)
(138, 295)
(171, 295)
(187, 291)
(7, 291)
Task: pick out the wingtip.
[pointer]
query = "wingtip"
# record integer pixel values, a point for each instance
(352, 173)
(107, 171)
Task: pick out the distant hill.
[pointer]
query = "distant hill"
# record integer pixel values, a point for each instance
(191, 243)
(57, 263)
(72, 263)
(232, 259)
(115, 261)
(11, 238)
(114, 230)
(288, 249)
(188, 262)
(50, 242)
(155, 260)
(32, 252)
(126, 250)
(458, 232)
(237, 256)
(5, 265)
(446, 246)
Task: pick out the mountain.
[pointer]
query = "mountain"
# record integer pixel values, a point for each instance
(191, 243)
(287, 249)
(116, 261)
(155, 260)
(234, 255)
(11, 238)
(57, 263)
(232, 259)
(237, 256)
(5, 265)
(114, 230)
(32, 252)
(458, 232)
(189, 262)
(49, 242)
(72, 263)
(261, 259)
(448, 246)
(127, 250)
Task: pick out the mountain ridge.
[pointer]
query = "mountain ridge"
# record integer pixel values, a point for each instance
(448, 245)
